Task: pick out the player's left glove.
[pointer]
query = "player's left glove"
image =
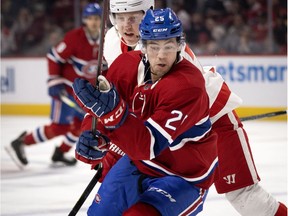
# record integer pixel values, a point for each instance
(110, 159)
(56, 87)
(103, 102)
(91, 148)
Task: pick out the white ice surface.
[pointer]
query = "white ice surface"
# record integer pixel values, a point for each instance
(42, 190)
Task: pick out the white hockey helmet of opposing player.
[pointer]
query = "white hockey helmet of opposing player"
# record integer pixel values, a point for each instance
(125, 6)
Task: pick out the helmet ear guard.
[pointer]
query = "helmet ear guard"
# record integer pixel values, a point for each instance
(112, 18)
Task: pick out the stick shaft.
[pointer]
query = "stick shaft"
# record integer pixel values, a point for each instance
(265, 115)
(102, 36)
(100, 51)
(86, 192)
(97, 176)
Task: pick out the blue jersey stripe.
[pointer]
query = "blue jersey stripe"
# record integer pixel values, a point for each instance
(161, 141)
(195, 180)
(195, 133)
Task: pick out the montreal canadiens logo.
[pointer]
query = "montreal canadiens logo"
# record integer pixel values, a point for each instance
(147, 86)
(97, 198)
(90, 69)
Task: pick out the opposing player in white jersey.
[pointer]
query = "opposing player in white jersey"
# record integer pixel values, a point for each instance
(124, 35)
(238, 177)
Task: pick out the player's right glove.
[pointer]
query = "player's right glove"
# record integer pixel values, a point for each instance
(104, 101)
(91, 148)
(56, 87)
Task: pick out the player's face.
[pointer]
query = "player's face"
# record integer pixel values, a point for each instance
(128, 26)
(93, 24)
(162, 55)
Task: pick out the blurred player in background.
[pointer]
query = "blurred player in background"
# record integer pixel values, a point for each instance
(75, 56)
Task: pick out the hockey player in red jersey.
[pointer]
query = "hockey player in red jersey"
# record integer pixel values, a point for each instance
(76, 56)
(238, 177)
(170, 149)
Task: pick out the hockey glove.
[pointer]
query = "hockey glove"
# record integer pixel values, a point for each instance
(56, 87)
(103, 102)
(110, 159)
(91, 148)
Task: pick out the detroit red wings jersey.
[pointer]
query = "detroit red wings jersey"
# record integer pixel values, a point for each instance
(170, 134)
(222, 100)
(75, 56)
(113, 45)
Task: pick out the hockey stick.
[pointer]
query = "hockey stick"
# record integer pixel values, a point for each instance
(71, 103)
(100, 50)
(97, 176)
(86, 192)
(265, 115)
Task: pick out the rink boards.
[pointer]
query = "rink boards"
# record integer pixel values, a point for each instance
(261, 81)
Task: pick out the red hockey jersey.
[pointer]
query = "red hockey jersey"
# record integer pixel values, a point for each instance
(75, 56)
(168, 131)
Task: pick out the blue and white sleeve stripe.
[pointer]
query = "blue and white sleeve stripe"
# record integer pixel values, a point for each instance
(195, 133)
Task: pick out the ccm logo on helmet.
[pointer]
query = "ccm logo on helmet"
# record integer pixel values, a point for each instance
(160, 30)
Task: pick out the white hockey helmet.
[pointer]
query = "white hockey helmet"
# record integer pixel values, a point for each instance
(124, 6)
